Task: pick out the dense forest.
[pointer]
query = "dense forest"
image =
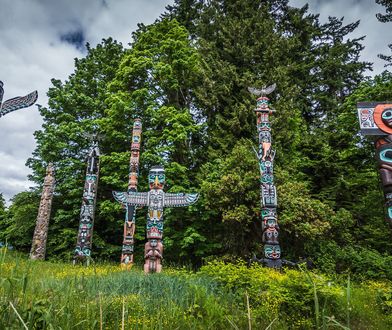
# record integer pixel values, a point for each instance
(186, 76)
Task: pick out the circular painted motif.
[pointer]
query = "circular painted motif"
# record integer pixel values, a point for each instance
(383, 117)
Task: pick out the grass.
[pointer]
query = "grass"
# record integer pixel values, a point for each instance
(45, 295)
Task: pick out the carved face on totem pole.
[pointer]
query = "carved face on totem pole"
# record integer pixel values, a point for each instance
(156, 177)
(272, 251)
(386, 117)
(384, 156)
(262, 103)
(270, 236)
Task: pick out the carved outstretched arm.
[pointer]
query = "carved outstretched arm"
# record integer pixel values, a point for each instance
(131, 198)
(18, 102)
(181, 199)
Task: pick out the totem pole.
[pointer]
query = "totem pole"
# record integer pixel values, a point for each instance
(15, 103)
(265, 156)
(87, 212)
(156, 200)
(38, 248)
(375, 118)
(130, 215)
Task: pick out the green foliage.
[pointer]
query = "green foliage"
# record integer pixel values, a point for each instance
(362, 261)
(3, 213)
(229, 194)
(19, 221)
(46, 295)
(302, 300)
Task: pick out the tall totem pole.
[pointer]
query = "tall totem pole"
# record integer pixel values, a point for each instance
(130, 215)
(156, 200)
(87, 212)
(265, 156)
(38, 248)
(15, 103)
(375, 118)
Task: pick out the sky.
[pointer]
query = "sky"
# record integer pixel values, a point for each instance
(39, 40)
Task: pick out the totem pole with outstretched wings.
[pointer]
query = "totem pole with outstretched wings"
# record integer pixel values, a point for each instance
(156, 200)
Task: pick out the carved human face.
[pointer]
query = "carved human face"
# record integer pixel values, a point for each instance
(262, 102)
(156, 178)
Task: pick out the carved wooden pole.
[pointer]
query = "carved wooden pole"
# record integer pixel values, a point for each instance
(268, 196)
(375, 118)
(38, 248)
(156, 200)
(87, 212)
(130, 215)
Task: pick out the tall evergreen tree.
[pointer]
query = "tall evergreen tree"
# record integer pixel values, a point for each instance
(387, 17)
(316, 66)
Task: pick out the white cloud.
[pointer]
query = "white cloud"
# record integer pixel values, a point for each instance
(31, 53)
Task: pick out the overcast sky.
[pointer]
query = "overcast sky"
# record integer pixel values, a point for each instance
(39, 40)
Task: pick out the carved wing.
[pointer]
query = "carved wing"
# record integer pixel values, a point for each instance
(269, 89)
(181, 199)
(131, 198)
(254, 91)
(1, 92)
(264, 91)
(18, 102)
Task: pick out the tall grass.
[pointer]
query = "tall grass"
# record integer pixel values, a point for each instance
(44, 295)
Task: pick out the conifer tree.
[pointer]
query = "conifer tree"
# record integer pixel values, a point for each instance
(385, 18)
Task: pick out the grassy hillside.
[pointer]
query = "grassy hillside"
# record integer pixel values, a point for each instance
(43, 295)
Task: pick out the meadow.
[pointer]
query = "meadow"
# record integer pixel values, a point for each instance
(47, 295)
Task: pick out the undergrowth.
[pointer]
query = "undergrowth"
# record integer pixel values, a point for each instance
(44, 295)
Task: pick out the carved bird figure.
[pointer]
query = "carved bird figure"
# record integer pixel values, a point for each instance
(15, 103)
(263, 91)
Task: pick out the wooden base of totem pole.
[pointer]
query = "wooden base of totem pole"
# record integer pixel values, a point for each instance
(127, 247)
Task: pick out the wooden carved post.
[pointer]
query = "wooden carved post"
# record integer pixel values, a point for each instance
(87, 212)
(130, 215)
(156, 200)
(38, 248)
(375, 118)
(265, 155)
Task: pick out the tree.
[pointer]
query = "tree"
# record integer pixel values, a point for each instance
(316, 67)
(387, 17)
(75, 108)
(3, 213)
(155, 82)
(19, 222)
